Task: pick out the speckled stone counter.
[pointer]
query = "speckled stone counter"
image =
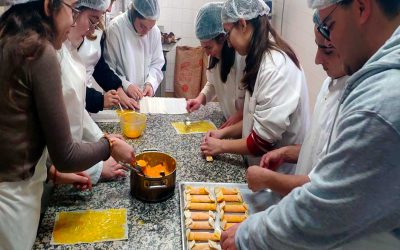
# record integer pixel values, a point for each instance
(151, 225)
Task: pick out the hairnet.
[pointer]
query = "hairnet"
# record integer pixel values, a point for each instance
(321, 4)
(101, 5)
(316, 18)
(149, 9)
(233, 10)
(14, 2)
(208, 21)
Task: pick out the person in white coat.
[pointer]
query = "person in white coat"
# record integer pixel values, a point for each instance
(74, 78)
(33, 115)
(276, 102)
(341, 206)
(133, 48)
(310, 153)
(225, 69)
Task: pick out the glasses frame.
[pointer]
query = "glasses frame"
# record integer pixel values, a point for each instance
(93, 25)
(75, 12)
(323, 28)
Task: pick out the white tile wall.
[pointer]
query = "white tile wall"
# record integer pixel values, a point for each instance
(297, 29)
(178, 16)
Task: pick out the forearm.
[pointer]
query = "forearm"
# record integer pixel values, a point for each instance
(237, 146)
(234, 131)
(201, 98)
(291, 153)
(283, 183)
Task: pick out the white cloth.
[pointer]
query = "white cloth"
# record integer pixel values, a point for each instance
(314, 145)
(135, 59)
(278, 109)
(83, 128)
(20, 209)
(231, 93)
(90, 53)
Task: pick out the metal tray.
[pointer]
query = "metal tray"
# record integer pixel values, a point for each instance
(257, 202)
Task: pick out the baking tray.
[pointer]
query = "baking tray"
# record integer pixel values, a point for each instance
(257, 202)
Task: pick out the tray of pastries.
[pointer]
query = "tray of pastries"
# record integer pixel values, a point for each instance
(208, 209)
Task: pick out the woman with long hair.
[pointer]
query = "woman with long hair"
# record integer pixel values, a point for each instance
(225, 69)
(33, 115)
(276, 102)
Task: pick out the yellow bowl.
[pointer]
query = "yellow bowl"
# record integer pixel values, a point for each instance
(132, 124)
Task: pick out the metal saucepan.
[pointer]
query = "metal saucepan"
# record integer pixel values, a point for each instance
(154, 189)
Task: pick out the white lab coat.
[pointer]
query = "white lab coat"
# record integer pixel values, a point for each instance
(20, 209)
(314, 146)
(231, 93)
(278, 109)
(90, 53)
(83, 128)
(135, 59)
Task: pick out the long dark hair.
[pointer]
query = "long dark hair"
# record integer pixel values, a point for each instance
(227, 58)
(259, 44)
(25, 30)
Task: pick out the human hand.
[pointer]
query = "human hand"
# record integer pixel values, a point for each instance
(111, 98)
(134, 92)
(257, 178)
(112, 170)
(211, 146)
(122, 151)
(192, 105)
(273, 159)
(217, 134)
(116, 136)
(79, 180)
(148, 90)
(228, 238)
(235, 118)
(126, 101)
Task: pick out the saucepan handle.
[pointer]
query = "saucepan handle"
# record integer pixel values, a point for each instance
(162, 184)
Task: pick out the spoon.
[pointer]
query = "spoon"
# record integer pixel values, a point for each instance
(119, 104)
(136, 168)
(187, 121)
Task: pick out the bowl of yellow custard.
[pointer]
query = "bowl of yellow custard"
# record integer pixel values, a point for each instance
(132, 123)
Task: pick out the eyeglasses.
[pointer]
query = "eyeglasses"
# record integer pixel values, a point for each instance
(75, 12)
(93, 24)
(323, 29)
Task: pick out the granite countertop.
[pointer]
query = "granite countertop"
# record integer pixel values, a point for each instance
(151, 225)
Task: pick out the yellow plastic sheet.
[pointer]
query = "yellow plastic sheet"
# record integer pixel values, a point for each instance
(90, 226)
(194, 127)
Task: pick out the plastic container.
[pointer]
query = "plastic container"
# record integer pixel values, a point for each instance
(132, 124)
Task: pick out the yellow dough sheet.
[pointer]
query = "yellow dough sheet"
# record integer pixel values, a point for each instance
(195, 127)
(90, 226)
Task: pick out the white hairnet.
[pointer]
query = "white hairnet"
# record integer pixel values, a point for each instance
(233, 10)
(208, 21)
(101, 5)
(316, 18)
(321, 4)
(14, 2)
(149, 9)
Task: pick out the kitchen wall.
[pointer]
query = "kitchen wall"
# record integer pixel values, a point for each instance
(297, 28)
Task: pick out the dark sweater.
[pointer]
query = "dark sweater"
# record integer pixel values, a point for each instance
(33, 115)
(106, 78)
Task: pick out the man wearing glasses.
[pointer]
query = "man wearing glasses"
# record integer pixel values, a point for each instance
(352, 200)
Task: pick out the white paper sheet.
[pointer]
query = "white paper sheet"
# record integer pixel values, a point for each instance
(105, 116)
(163, 105)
